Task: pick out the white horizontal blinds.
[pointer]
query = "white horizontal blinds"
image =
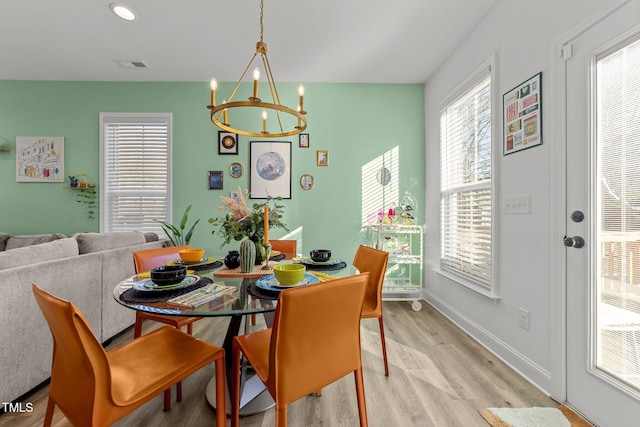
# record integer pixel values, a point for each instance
(137, 173)
(465, 168)
(618, 136)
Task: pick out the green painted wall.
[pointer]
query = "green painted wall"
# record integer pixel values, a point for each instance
(355, 122)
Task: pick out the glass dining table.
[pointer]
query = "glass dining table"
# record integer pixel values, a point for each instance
(240, 295)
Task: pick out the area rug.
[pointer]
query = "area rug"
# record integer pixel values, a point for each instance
(533, 417)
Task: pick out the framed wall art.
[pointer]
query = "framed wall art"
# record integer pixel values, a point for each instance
(236, 170)
(270, 166)
(322, 158)
(227, 142)
(307, 181)
(215, 180)
(522, 115)
(39, 159)
(303, 140)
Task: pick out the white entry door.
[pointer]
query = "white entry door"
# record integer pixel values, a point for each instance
(603, 219)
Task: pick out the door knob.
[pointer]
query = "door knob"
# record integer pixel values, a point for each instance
(574, 242)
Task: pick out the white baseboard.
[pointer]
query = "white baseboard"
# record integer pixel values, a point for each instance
(529, 370)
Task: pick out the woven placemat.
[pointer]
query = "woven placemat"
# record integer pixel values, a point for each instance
(133, 295)
(257, 292)
(209, 265)
(327, 267)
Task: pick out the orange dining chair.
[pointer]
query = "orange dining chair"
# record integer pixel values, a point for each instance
(144, 261)
(287, 247)
(314, 341)
(93, 387)
(373, 261)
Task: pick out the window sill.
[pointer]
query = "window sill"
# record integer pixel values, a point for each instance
(487, 293)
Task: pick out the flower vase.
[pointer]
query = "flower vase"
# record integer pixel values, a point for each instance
(247, 256)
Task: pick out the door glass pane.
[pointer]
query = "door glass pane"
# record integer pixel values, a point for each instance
(617, 332)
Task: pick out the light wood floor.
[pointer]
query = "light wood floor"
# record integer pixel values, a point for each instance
(438, 377)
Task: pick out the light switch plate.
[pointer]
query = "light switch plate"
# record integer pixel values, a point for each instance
(517, 204)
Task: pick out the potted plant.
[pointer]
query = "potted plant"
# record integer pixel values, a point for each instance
(87, 196)
(177, 235)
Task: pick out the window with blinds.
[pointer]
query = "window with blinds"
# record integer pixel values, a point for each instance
(135, 173)
(465, 183)
(617, 117)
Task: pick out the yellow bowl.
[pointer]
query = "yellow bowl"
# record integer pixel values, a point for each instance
(289, 274)
(191, 255)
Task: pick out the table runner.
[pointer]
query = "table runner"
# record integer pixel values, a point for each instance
(133, 295)
(258, 271)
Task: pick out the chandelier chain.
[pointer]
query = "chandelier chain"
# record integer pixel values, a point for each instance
(261, 15)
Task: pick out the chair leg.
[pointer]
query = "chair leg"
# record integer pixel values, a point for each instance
(384, 347)
(179, 391)
(362, 405)
(49, 414)
(281, 415)
(253, 319)
(137, 329)
(190, 328)
(167, 400)
(221, 395)
(235, 385)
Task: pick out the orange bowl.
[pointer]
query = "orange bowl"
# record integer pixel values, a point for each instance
(191, 255)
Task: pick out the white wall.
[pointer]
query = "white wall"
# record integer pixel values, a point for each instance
(521, 35)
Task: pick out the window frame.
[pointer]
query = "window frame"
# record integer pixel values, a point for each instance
(486, 69)
(111, 117)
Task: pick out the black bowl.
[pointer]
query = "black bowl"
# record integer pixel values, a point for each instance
(168, 274)
(320, 255)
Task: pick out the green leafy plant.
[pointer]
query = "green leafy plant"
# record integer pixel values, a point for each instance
(87, 195)
(176, 235)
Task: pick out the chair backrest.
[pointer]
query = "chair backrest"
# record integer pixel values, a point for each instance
(315, 338)
(288, 247)
(373, 261)
(80, 374)
(151, 258)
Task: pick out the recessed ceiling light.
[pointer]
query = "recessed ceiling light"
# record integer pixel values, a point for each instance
(122, 11)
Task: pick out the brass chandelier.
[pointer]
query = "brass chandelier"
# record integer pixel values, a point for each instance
(220, 113)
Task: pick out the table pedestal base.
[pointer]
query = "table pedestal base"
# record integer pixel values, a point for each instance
(254, 398)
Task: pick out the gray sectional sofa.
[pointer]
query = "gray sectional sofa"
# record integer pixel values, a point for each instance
(84, 269)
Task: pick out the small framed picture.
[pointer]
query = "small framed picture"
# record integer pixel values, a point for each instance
(322, 158)
(236, 170)
(303, 141)
(227, 142)
(307, 181)
(215, 180)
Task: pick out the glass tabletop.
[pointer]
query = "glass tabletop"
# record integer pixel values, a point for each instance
(239, 295)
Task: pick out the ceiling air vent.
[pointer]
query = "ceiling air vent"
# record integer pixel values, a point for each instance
(132, 64)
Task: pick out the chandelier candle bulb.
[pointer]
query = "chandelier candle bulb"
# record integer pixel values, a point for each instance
(225, 118)
(301, 93)
(266, 225)
(256, 77)
(264, 121)
(213, 83)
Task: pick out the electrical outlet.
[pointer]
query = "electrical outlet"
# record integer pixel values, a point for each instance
(524, 318)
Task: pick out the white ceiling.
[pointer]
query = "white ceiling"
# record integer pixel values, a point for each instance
(376, 41)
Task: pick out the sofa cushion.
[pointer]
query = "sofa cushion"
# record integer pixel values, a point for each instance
(61, 248)
(3, 240)
(31, 239)
(96, 242)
